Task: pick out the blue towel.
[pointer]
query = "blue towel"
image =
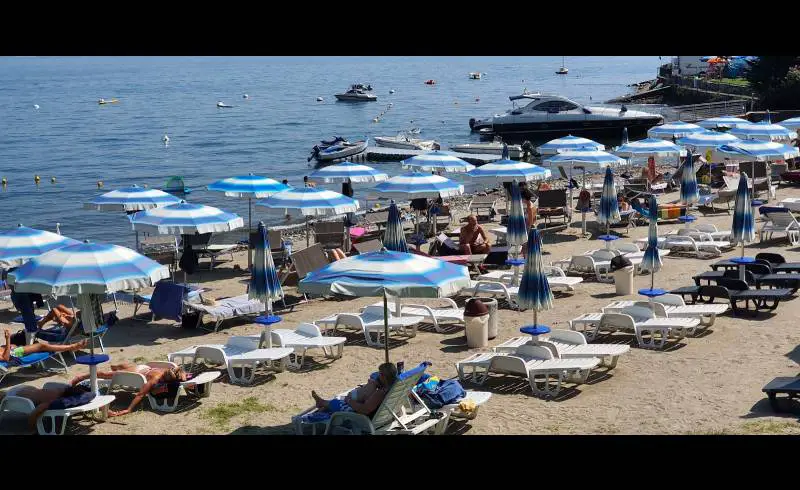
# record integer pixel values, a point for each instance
(167, 300)
(28, 360)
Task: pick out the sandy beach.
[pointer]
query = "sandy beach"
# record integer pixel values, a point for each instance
(709, 384)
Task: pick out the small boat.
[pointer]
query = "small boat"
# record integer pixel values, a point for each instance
(563, 70)
(223, 105)
(104, 101)
(340, 150)
(406, 142)
(474, 75)
(357, 94)
(430, 82)
(488, 148)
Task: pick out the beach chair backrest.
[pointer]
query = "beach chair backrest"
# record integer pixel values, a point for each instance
(368, 246)
(617, 321)
(275, 239)
(734, 275)
(603, 254)
(553, 198)
(670, 299)
(757, 268)
(242, 342)
(309, 260)
(397, 397)
(567, 336)
(308, 330)
(783, 220)
(639, 312)
(712, 292)
(730, 284)
(772, 258)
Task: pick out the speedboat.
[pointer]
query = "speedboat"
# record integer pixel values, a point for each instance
(488, 148)
(357, 94)
(553, 116)
(474, 75)
(339, 150)
(406, 142)
(104, 101)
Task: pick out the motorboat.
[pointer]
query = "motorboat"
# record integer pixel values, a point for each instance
(342, 149)
(110, 101)
(356, 93)
(547, 115)
(223, 105)
(474, 75)
(405, 141)
(488, 148)
(563, 70)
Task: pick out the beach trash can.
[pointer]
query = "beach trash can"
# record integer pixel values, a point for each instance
(623, 274)
(476, 323)
(491, 305)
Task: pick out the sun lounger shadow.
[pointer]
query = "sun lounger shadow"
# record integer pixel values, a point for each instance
(794, 355)
(357, 339)
(514, 385)
(604, 295)
(789, 408)
(598, 376)
(444, 328)
(671, 345)
(252, 430)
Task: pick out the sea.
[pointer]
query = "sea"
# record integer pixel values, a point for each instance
(52, 126)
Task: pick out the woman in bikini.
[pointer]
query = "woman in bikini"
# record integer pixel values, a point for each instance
(365, 399)
(9, 352)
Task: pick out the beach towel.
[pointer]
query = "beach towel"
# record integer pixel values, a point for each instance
(441, 394)
(167, 300)
(74, 396)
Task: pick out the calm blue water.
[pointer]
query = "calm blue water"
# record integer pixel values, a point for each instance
(80, 142)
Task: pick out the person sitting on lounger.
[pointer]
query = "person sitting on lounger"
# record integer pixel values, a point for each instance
(10, 351)
(61, 315)
(366, 398)
(473, 239)
(623, 203)
(43, 397)
(154, 376)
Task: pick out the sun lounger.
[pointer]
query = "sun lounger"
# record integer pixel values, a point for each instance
(367, 246)
(650, 332)
(735, 291)
(329, 234)
(238, 352)
(598, 263)
(789, 386)
(38, 358)
(226, 308)
(534, 362)
(493, 289)
(780, 222)
(435, 315)
(566, 344)
(394, 416)
(202, 245)
(306, 336)
(555, 278)
(672, 305)
(755, 274)
(776, 262)
(371, 321)
(52, 422)
(307, 260)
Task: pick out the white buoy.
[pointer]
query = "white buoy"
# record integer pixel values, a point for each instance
(319, 99)
(391, 91)
(375, 120)
(220, 104)
(245, 96)
(165, 139)
(36, 106)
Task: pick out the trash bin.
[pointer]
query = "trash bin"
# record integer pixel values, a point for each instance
(623, 274)
(491, 305)
(476, 323)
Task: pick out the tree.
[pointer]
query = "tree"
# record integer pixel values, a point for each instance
(776, 81)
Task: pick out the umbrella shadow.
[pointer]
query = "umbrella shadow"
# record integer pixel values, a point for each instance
(252, 430)
(455, 345)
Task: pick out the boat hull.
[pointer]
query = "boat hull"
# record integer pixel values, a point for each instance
(514, 151)
(547, 130)
(326, 156)
(404, 145)
(350, 98)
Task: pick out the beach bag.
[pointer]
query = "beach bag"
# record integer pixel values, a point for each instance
(446, 392)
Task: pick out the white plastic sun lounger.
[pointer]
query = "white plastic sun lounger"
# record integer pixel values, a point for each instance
(371, 321)
(435, 315)
(227, 308)
(240, 352)
(534, 362)
(453, 410)
(651, 332)
(307, 336)
(57, 419)
(555, 278)
(492, 289)
(566, 344)
(780, 223)
(671, 306)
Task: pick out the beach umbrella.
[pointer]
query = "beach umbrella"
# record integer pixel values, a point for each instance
(264, 283)
(764, 131)
(90, 271)
(652, 258)
(375, 274)
(792, 124)
(509, 171)
(609, 208)
(418, 185)
(534, 289)
(756, 151)
(437, 160)
(569, 143)
(517, 228)
(743, 228)
(393, 237)
(706, 140)
(649, 147)
(590, 158)
(184, 218)
(21, 244)
(349, 172)
(689, 191)
(677, 129)
(309, 202)
(722, 122)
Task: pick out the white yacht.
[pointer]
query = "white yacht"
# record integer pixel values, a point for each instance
(358, 93)
(547, 115)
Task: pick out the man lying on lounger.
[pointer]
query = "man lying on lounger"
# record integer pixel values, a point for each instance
(9, 351)
(366, 398)
(42, 398)
(154, 376)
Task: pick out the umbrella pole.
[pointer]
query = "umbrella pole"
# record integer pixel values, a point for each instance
(268, 327)
(308, 235)
(249, 230)
(386, 325)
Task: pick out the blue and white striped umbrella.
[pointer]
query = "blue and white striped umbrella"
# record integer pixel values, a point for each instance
(248, 186)
(743, 228)
(185, 219)
(608, 211)
(437, 160)
(793, 123)
(764, 131)
(21, 244)
(132, 198)
(393, 237)
(649, 147)
(508, 171)
(310, 201)
(264, 283)
(671, 130)
(414, 185)
(652, 258)
(756, 151)
(569, 143)
(596, 158)
(87, 268)
(534, 289)
(689, 192)
(349, 171)
(722, 122)
(517, 228)
(707, 140)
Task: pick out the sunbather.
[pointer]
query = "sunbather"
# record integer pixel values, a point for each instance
(43, 397)
(153, 375)
(61, 315)
(472, 238)
(366, 398)
(11, 351)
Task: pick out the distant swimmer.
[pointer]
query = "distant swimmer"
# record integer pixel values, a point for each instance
(391, 91)
(165, 139)
(36, 106)
(220, 104)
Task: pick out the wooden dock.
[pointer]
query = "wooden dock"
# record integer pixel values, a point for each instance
(381, 154)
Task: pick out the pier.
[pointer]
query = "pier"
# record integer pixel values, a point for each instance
(381, 154)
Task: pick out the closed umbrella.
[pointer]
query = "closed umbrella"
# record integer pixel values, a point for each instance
(625, 136)
(21, 244)
(689, 191)
(387, 272)
(608, 211)
(517, 228)
(264, 283)
(393, 237)
(534, 290)
(652, 259)
(743, 228)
